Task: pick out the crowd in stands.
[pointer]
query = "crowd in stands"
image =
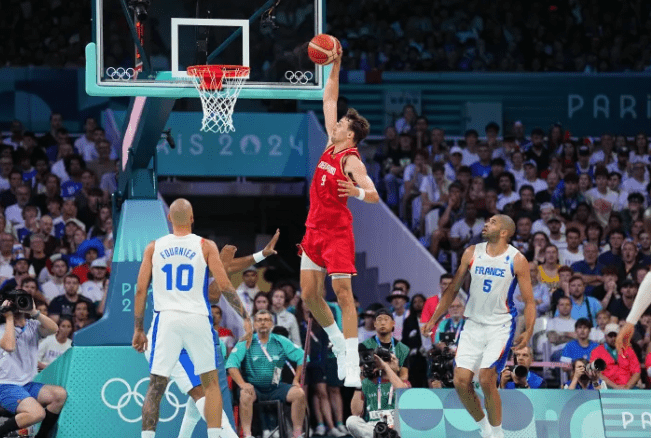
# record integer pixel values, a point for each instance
(390, 35)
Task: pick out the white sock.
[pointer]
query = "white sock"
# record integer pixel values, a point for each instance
(190, 419)
(201, 406)
(148, 434)
(498, 432)
(214, 432)
(352, 350)
(228, 431)
(484, 425)
(336, 337)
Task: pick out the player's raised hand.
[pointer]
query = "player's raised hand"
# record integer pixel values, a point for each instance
(139, 341)
(269, 249)
(347, 188)
(227, 253)
(624, 338)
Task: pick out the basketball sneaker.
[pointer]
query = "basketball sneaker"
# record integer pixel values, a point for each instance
(340, 353)
(352, 376)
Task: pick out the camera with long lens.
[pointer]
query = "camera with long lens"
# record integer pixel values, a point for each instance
(367, 359)
(382, 430)
(139, 8)
(596, 365)
(20, 300)
(440, 361)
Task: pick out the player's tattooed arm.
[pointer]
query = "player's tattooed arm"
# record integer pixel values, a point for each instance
(233, 299)
(222, 282)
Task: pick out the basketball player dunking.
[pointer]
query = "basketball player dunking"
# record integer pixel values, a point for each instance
(328, 246)
(487, 336)
(177, 265)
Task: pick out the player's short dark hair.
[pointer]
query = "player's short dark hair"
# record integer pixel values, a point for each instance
(358, 124)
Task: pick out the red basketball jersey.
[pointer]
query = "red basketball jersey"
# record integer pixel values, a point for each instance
(327, 208)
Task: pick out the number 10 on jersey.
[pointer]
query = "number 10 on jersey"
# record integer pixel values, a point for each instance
(183, 282)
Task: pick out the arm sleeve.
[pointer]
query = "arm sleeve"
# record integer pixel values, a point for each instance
(642, 301)
(237, 355)
(294, 353)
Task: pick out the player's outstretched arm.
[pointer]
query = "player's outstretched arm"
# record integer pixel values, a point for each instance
(356, 170)
(221, 278)
(521, 269)
(451, 292)
(140, 300)
(330, 97)
(233, 265)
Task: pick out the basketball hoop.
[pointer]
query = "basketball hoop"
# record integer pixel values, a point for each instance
(218, 87)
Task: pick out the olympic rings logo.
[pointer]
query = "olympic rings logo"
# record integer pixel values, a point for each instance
(120, 73)
(138, 398)
(299, 77)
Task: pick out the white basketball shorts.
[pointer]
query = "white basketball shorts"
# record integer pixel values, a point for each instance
(484, 346)
(172, 332)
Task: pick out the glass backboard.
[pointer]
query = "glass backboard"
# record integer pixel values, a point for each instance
(143, 47)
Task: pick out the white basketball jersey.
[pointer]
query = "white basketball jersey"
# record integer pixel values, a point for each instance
(180, 275)
(492, 285)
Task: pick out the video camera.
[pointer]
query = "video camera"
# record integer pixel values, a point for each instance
(440, 361)
(21, 301)
(596, 365)
(382, 430)
(367, 359)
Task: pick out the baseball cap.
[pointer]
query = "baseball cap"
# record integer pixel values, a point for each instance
(19, 256)
(553, 218)
(611, 328)
(250, 268)
(546, 206)
(623, 151)
(77, 222)
(383, 311)
(456, 150)
(99, 263)
(584, 150)
(532, 163)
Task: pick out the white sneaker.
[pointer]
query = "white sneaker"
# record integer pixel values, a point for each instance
(336, 433)
(352, 376)
(341, 362)
(320, 430)
(343, 429)
(487, 434)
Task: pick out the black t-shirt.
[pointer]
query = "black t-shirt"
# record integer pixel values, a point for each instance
(618, 308)
(62, 306)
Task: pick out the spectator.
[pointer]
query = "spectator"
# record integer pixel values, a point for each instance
(597, 333)
(260, 379)
(507, 195)
(639, 179)
(589, 269)
(582, 306)
(451, 212)
(522, 238)
(453, 324)
(87, 251)
(629, 261)
(509, 380)
(261, 302)
(434, 190)
(412, 338)
(540, 294)
(553, 180)
(582, 346)
(549, 269)
(55, 345)
(408, 120)
(81, 315)
(14, 212)
(64, 305)
(226, 336)
(85, 144)
(395, 168)
(560, 329)
(583, 166)
(546, 212)
(537, 151)
(55, 285)
(526, 204)
(470, 155)
(606, 291)
(531, 177)
(536, 253)
(602, 199)
(613, 257)
(567, 201)
(103, 163)
(8, 197)
(399, 299)
(367, 330)
(279, 301)
(621, 166)
(634, 210)
(465, 229)
(622, 369)
(433, 301)
(582, 379)
(21, 270)
(556, 237)
(49, 139)
(574, 251)
(482, 167)
(620, 307)
(384, 328)
(93, 288)
(30, 286)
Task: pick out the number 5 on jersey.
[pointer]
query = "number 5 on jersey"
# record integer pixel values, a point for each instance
(182, 284)
(488, 284)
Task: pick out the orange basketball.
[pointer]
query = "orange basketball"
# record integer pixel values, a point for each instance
(323, 49)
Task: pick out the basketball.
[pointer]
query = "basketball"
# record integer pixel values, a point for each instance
(323, 49)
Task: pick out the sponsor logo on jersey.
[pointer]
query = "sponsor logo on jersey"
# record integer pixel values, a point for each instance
(327, 167)
(490, 271)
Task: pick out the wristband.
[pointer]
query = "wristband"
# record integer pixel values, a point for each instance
(258, 257)
(362, 194)
(37, 315)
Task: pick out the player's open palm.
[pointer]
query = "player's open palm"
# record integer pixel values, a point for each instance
(139, 341)
(270, 250)
(347, 188)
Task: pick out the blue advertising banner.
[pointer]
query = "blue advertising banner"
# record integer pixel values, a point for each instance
(541, 413)
(263, 145)
(627, 414)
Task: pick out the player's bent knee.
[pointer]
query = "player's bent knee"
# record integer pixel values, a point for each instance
(461, 381)
(487, 378)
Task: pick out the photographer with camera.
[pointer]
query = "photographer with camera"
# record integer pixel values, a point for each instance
(585, 375)
(373, 406)
(520, 376)
(384, 327)
(30, 402)
(621, 370)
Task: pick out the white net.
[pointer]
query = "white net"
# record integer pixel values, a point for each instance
(219, 88)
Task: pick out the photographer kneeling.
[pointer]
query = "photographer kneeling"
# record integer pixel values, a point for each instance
(18, 366)
(380, 379)
(519, 376)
